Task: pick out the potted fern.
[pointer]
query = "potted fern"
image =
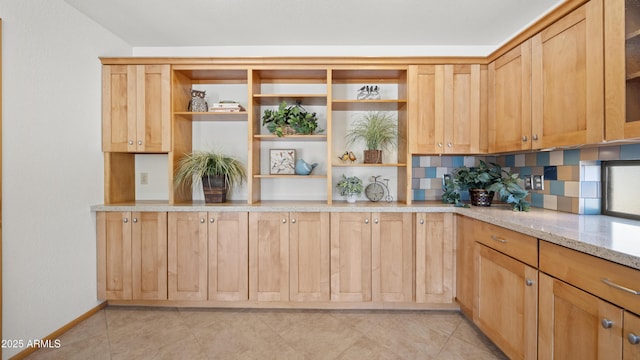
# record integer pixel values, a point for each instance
(483, 182)
(215, 172)
(378, 130)
(289, 120)
(350, 187)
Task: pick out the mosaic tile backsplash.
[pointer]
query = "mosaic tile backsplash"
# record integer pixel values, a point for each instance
(571, 177)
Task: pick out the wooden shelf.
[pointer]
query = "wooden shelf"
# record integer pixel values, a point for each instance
(369, 165)
(291, 99)
(269, 176)
(363, 105)
(214, 115)
(271, 137)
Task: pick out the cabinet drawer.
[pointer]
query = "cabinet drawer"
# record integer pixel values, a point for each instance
(519, 246)
(591, 274)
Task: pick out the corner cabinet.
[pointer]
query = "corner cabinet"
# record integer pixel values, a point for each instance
(136, 108)
(445, 112)
(622, 73)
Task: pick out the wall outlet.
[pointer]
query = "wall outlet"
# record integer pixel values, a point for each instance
(538, 182)
(528, 182)
(144, 178)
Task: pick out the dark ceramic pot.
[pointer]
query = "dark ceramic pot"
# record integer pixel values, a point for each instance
(481, 197)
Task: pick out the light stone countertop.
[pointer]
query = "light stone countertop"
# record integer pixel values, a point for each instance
(607, 237)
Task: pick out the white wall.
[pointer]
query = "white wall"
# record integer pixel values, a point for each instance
(53, 167)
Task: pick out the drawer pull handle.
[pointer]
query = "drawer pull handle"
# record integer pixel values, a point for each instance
(606, 323)
(633, 339)
(620, 287)
(499, 239)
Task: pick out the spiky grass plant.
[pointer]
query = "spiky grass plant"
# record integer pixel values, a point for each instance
(194, 166)
(377, 129)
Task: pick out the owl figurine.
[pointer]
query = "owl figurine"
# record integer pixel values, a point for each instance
(197, 103)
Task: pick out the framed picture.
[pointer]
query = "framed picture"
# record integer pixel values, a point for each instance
(282, 161)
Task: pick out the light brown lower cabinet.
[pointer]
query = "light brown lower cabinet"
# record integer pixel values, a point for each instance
(506, 302)
(464, 264)
(288, 256)
(228, 234)
(132, 255)
(434, 235)
(187, 255)
(631, 336)
(577, 325)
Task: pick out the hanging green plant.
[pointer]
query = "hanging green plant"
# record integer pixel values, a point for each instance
(289, 120)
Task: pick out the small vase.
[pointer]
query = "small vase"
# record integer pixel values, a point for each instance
(480, 197)
(351, 198)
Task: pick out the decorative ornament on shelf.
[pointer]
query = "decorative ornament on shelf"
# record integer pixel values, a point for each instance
(483, 182)
(377, 190)
(304, 168)
(282, 161)
(369, 92)
(198, 103)
(352, 157)
(350, 187)
(344, 157)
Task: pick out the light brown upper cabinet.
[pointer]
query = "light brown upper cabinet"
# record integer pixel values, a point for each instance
(567, 88)
(622, 73)
(445, 109)
(136, 108)
(510, 100)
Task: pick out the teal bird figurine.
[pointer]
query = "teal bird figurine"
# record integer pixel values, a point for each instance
(304, 168)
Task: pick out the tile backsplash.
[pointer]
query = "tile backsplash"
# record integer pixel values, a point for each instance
(571, 177)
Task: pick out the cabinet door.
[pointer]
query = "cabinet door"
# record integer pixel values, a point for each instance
(149, 255)
(567, 81)
(622, 73)
(269, 256)
(506, 302)
(392, 257)
(153, 108)
(114, 255)
(119, 108)
(464, 264)
(461, 109)
(426, 109)
(434, 258)
(187, 256)
(631, 341)
(510, 100)
(309, 255)
(351, 257)
(577, 325)
(228, 256)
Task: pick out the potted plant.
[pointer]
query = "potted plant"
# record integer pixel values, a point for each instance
(350, 187)
(217, 173)
(482, 182)
(378, 130)
(289, 120)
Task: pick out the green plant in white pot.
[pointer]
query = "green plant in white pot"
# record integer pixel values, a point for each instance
(350, 187)
(378, 130)
(216, 172)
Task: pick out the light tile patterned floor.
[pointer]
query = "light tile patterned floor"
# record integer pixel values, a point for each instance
(153, 333)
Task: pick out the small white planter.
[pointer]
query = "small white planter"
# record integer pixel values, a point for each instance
(351, 199)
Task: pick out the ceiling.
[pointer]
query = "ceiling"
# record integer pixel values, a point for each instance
(170, 23)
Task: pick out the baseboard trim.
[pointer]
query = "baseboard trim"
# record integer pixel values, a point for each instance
(56, 334)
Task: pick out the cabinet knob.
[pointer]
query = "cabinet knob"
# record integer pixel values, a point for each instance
(440, 144)
(366, 221)
(284, 221)
(130, 142)
(529, 282)
(135, 220)
(633, 339)
(125, 220)
(449, 144)
(139, 142)
(201, 220)
(375, 221)
(293, 221)
(421, 221)
(525, 138)
(606, 323)
(535, 137)
(212, 220)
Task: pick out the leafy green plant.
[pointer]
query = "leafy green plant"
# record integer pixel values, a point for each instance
(491, 178)
(294, 116)
(350, 185)
(377, 129)
(194, 166)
